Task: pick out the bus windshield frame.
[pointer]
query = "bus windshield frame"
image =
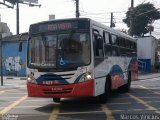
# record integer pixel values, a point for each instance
(59, 50)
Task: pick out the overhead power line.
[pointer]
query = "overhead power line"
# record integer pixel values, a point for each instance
(6, 5)
(147, 12)
(100, 13)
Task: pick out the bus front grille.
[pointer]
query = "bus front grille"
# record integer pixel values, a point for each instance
(57, 91)
(57, 77)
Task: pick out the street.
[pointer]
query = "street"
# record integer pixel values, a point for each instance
(142, 103)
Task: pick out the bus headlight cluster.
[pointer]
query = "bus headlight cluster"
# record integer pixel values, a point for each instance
(86, 77)
(31, 79)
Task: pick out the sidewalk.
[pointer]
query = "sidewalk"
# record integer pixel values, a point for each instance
(13, 82)
(148, 76)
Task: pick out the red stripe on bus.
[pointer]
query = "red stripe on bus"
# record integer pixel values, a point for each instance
(82, 89)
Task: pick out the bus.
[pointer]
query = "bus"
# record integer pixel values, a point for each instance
(78, 57)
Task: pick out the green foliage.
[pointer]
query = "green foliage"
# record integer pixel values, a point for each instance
(141, 16)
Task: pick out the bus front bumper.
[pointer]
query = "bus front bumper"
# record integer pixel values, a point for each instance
(83, 89)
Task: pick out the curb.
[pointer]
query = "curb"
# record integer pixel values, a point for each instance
(148, 78)
(17, 78)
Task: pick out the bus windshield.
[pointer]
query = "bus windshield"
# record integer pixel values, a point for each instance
(59, 50)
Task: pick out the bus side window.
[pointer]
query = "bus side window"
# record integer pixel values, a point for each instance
(108, 50)
(115, 51)
(98, 45)
(114, 39)
(107, 37)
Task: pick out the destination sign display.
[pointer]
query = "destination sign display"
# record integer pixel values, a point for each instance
(56, 26)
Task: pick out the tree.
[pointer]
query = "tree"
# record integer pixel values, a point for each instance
(140, 18)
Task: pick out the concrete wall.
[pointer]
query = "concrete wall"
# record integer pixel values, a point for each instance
(14, 62)
(146, 48)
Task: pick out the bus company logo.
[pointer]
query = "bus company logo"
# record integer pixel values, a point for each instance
(56, 89)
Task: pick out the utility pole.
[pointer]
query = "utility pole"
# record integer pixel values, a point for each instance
(1, 59)
(111, 23)
(1, 53)
(17, 12)
(77, 8)
(17, 17)
(132, 3)
(17, 2)
(131, 18)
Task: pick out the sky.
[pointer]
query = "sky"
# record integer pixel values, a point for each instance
(98, 10)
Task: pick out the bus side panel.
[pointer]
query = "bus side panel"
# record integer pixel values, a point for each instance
(100, 73)
(133, 67)
(118, 68)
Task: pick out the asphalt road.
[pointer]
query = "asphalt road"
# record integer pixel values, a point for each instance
(142, 103)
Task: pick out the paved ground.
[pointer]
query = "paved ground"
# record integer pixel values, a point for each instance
(142, 103)
(148, 76)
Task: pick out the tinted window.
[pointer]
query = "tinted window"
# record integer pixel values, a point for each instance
(106, 38)
(114, 39)
(107, 50)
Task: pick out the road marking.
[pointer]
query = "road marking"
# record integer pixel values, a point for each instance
(37, 100)
(143, 87)
(29, 106)
(149, 79)
(8, 108)
(108, 113)
(142, 102)
(9, 97)
(148, 89)
(1, 92)
(74, 113)
(119, 103)
(16, 93)
(55, 112)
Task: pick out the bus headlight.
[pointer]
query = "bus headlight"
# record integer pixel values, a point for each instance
(31, 79)
(28, 79)
(86, 77)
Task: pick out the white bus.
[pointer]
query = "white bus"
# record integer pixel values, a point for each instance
(78, 58)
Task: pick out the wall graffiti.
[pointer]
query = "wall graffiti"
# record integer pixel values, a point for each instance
(14, 62)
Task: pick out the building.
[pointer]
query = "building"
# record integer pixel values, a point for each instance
(146, 52)
(14, 62)
(4, 29)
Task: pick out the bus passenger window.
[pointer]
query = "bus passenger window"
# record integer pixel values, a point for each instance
(106, 38)
(114, 39)
(115, 51)
(98, 45)
(107, 50)
(123, 51)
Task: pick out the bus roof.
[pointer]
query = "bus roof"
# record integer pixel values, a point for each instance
(108, 29)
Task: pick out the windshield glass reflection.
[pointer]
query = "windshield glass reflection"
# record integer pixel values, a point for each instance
(59, 51)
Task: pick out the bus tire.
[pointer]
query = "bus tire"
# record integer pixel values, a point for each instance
(57, 100)
(104, 97)
(127, 86)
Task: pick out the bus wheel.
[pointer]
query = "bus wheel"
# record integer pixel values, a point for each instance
(103, 97)
(126, 87)
(57, 100)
